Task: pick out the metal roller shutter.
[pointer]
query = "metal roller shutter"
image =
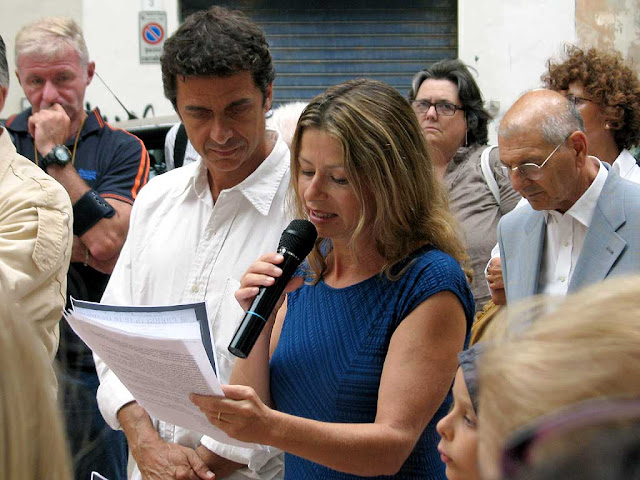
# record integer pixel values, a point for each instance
(316, 44)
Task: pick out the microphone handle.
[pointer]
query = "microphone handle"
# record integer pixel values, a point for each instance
(262, 306)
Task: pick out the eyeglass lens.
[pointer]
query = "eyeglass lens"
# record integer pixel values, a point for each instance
(442, 108)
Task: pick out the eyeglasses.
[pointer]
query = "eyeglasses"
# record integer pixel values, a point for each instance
(442, 108)
(532, 171)
(565, 424)
(577, 100)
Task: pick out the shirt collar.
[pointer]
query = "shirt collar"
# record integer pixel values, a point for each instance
(624, 163)
(584, 207)
(93, 123)
(19, 122)
(261, 186)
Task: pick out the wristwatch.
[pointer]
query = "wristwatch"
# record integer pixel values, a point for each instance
(59, 155)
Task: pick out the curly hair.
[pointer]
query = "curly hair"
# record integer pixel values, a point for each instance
(470, 96)
(216, 42)
(608, 81)
(387, 163)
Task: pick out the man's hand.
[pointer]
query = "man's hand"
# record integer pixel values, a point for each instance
(157, 459)
(496, 283)
(223, 467)
(49, 128)
(82, 254)
(160, 460)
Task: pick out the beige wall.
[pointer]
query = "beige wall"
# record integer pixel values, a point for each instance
(509, 46)
(607, 24)
(16, 13)
(507, 42)
(111, 32)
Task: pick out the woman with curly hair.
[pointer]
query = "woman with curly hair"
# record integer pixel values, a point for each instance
(606, 92)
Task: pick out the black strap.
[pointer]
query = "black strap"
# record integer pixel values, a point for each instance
(89, 210)
(180, 146)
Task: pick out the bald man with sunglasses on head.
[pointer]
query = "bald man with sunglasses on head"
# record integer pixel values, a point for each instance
(582, 223)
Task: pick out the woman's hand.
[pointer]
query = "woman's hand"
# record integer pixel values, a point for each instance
(240, 414)
(263, 273)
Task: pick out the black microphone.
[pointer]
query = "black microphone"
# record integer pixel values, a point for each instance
(295, 244)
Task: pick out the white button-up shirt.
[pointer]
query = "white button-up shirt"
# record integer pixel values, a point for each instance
(183, 248)
(564, 238)
(626, 166)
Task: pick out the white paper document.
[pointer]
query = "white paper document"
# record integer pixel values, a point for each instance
(161, 354)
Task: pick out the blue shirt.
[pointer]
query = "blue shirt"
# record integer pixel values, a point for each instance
(333, 345)
(113, 162)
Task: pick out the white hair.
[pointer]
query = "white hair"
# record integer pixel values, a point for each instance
(284, 119)
(49, 37)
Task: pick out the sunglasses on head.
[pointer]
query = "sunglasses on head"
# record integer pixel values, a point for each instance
(521, 446)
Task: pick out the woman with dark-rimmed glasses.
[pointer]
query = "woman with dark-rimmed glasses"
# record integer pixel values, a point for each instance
(451, 113)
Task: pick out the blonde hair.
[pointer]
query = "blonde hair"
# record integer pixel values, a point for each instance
(386, 161)
(48, 37)
(587, 347)
(32, 439)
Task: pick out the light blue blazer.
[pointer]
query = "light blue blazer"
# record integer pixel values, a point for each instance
(611, 246)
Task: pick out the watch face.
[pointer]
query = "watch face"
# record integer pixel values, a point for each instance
(61, 153)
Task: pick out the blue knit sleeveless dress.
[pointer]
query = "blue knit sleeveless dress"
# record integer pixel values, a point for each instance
(332, 348)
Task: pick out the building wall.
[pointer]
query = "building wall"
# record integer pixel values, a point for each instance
(508, 43)
(610, 24)
(111, 31)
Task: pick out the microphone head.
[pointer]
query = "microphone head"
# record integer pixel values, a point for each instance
(299, 238)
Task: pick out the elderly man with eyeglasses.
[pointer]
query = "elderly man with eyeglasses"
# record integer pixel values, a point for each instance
(582, 223)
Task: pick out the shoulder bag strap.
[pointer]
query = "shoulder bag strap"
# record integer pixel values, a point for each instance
(488, 174)
(180, 146)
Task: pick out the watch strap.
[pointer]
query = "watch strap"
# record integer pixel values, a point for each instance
(51, 157)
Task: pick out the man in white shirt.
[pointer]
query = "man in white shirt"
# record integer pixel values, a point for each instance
(580, 225)
(283, 120)
(624, 165)
(195, 230)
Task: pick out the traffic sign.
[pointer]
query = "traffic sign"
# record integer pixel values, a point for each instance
(153, 28)
(153, 33)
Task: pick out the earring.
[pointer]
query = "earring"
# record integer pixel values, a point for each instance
(466, 139)
(607, 126)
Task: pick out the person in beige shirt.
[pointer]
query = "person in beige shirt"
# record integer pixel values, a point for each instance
(35, 238)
